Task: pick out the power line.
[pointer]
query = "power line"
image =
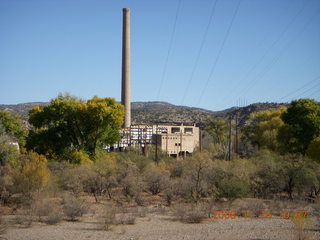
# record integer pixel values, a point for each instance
(199, 51)
(297, 90)
(219, 53)
(169, 50)
(310, 95)
(309, 89)
(274, 43)
(278, 56)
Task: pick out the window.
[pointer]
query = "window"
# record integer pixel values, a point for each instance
(175, 129)
(188, 130)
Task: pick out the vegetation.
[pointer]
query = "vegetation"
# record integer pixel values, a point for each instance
(71, 124)
(12, 126)
(64, 165)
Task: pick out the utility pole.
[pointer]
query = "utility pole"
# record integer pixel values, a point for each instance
(200, 140)
(236, 137)
(156, 151)
(230, 136)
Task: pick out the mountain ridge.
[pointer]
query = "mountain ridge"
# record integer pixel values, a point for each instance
(157, 111)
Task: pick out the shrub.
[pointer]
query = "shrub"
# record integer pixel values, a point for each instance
(156, 180)
(42, 208)
(24, 220)
(301, 229)
(3, 226)
(194, 213)
(108, 218)
(73, 178)
(129, 179)
(233, 188)
(74, 207)
(126, 219)
(54, 217)
(31, 176)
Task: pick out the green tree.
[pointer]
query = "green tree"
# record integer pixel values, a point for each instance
(13, 126)
(303, 125)
(314, 149)
(72, 124)
(218, 129)
(263, 129)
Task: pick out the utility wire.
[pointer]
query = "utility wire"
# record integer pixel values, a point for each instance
(169, 50)
(219, 53)
(310, 95)
(297, 90)
(266, 53)
(278, 56)
(309, 89)
(199, 52)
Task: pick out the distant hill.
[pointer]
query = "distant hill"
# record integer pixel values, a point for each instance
(161, 112)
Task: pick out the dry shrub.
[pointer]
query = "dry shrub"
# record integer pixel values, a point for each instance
(194, 213)
(42, 208)
(24, 221)
(54, 217)
(115, 216)
(48, 211)
(140, 212)
(301, 229)
(157, 180)
(107, 218)
(3, 226)
(74, 207)
(126, 219)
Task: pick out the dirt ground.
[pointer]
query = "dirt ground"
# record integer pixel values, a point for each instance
(157, 226)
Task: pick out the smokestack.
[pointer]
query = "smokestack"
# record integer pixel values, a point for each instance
(125, 92)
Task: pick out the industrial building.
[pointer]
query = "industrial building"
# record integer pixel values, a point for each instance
(176, 139)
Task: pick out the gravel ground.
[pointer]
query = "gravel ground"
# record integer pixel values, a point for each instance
(156, 226)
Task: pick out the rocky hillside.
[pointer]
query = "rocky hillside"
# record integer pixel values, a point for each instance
(160, 112)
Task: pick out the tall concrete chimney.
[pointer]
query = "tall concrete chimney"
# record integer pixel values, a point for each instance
(125, 91)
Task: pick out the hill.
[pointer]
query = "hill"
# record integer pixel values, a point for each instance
(163, 112)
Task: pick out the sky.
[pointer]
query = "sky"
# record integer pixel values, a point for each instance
(199, 53)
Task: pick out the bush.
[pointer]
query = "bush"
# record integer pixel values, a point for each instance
(54, 217)
(31, 176)
(126, 219)
(194, 213)
(42, 208)
(3, 226)
(24, 220)
(108, 218)
(129, 179)
(47, 211)
(156, 180)
(74, 207)
(233, 188)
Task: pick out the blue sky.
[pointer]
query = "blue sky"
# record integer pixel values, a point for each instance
(252, 51)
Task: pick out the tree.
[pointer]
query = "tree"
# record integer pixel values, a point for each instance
(72, 124)
(303, 120)
(218, 129)
(13, 126)
(263, 129)
(314, 149)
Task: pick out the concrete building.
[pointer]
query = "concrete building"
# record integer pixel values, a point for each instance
(176, 139)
